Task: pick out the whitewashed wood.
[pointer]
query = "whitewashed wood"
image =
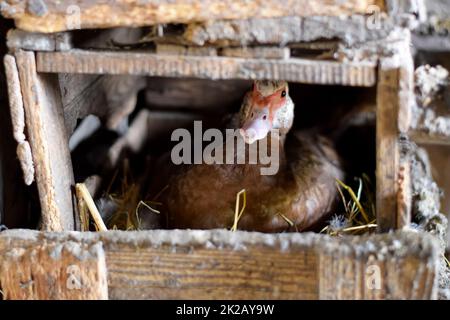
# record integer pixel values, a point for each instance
(220, 264)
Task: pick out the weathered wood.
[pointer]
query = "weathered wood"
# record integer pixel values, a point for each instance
(53, 270)
(52, 16)
(111, 98)
(148, 64)
(256, 52)
(173, 49)
(19, 39)
(219, 264)
(394, 100)
(23, 150)
(49, 144)
(354, 269)
(423, 137)
(285, 30)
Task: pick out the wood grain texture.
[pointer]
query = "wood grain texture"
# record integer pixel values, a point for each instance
(16, 108)
(381, 268)
(54, 271)
(259, 52)
(394, 100)
(49, 144)
(19, 39)
(54, 16)
(111, 98)
(219, 264)
(426, 138)
(148, 64)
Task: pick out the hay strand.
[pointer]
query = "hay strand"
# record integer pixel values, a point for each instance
(238, 213)
(87, 198)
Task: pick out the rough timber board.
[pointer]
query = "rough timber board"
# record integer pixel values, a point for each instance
(423, 137)
(55, 15)
(149, 64)
(49, 144)
(70, 270)
(219, 264)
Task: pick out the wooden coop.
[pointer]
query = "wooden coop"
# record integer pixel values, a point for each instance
(67, 61)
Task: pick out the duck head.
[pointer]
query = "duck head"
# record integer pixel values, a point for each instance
(268, 106)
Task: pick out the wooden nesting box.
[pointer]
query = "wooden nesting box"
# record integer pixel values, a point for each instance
(52, 82)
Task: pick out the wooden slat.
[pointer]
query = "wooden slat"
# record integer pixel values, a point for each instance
(425, 138)
(111, 98)
(354, 269)
(149, 64)
(394, 98)
(53, 16)
(49, 144)
(219, 264)
(23, 150)
(70, 270)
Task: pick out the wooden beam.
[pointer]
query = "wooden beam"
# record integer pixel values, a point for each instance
(220, 264)
(19, 39)
(23, 150)
(49, 144)
(52, 16)
(394, 101)
(149, 64)
(426, 138)
(109, 97)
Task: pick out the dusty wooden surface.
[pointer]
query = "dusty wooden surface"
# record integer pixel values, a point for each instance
(23, 150)
(49, 271)
(394, 98)
(49, 144)
(219, 264)
(111, 98)
(148, 64)
(54, 16)
(285, 30)
(349, 269)
(19, 39)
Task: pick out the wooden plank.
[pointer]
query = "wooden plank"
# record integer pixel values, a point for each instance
(23, 150)
(52, 16)
(175, 49)
(220, 264)
(353, 269)
(259, 52)
(49, 144)
(32, 41)
(149, 64)
(54, 271)
(111, 98)
(423, 137)
(394, 99)
(351, 30)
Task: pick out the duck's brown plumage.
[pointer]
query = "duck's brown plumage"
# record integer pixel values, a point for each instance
(302, 192)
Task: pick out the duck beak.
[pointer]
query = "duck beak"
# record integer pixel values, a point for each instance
(256, 128)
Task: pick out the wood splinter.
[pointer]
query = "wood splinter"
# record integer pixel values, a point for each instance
(85, 198)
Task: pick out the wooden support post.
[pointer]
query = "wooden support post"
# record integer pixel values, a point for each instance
(394, 94)
(49, 144)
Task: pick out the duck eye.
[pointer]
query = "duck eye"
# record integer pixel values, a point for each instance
(251, 116)
(283, 93)
(264, 117)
